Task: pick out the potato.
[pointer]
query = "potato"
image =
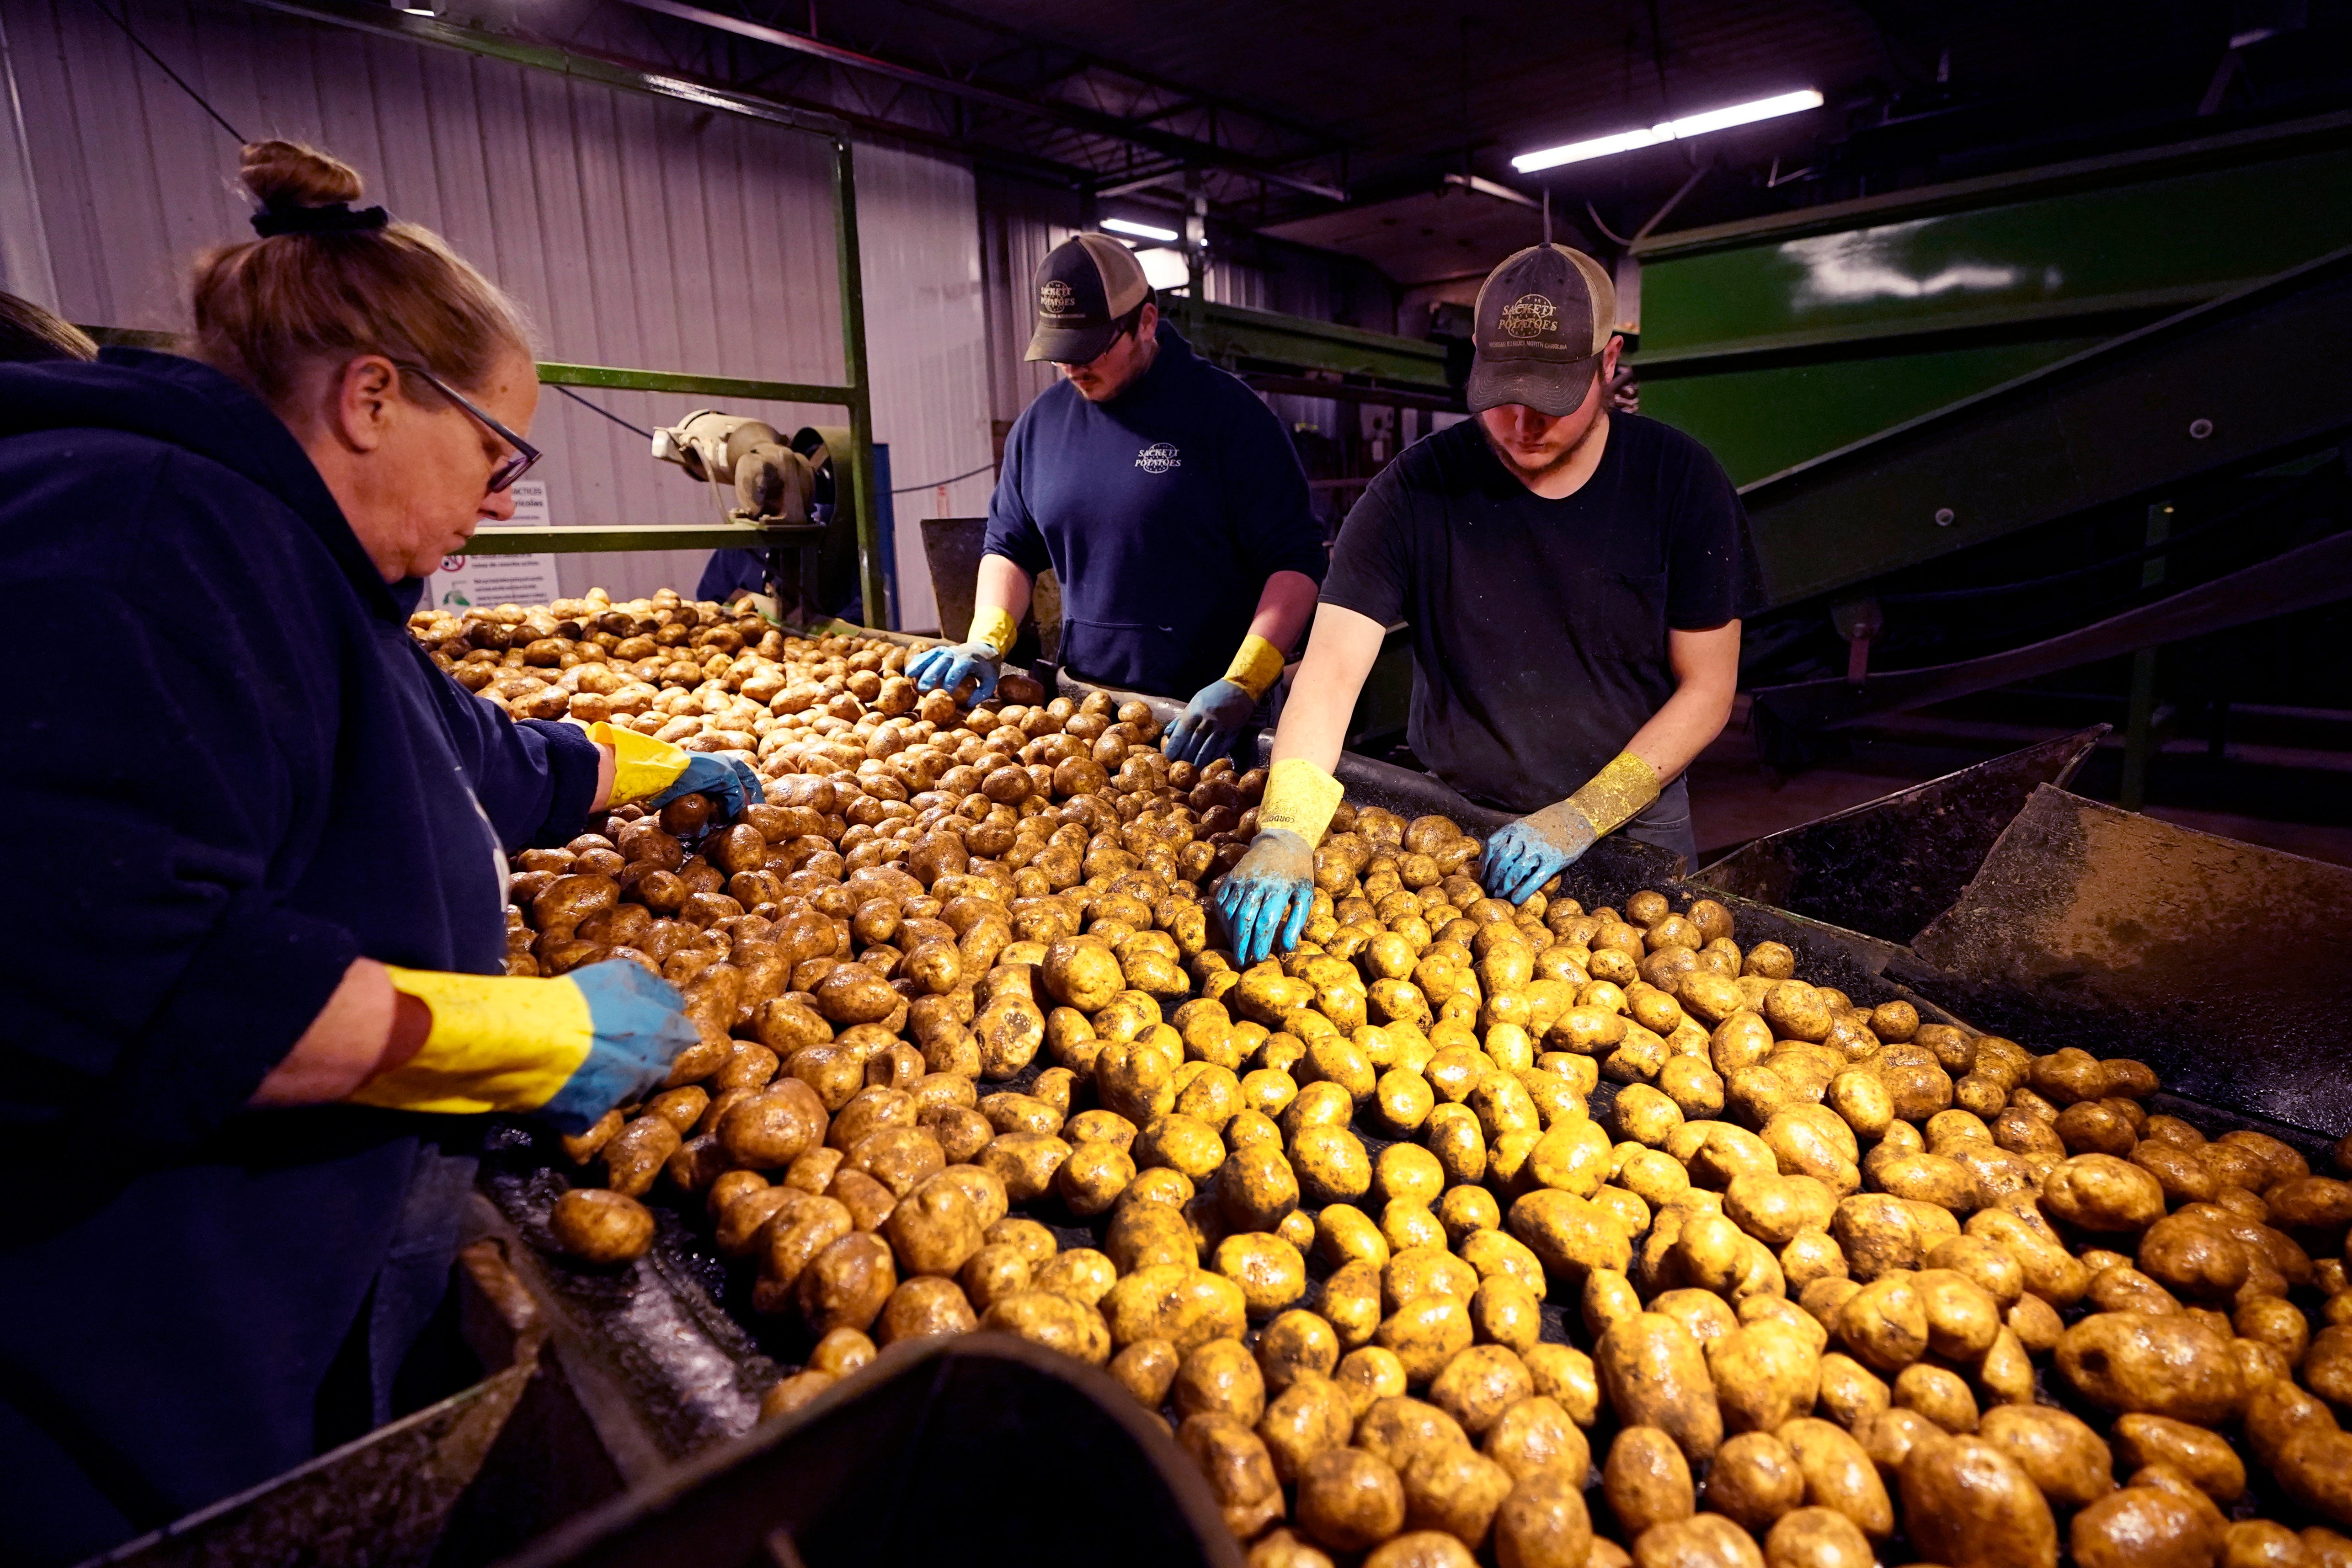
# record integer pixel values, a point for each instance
(1052, 1320)
(1240, 1471)
(1885, 1323)
(1543, 1523)
(1147, 1369)
(1185, 1305)
(1754, 1480)
(1479, 1385)
(1703, 1541)
(1425, 1333)
(1569, 1236)
(1766, 1375)
(1349, 1499)
(1816, 1538)
(1454, 1490)
(1306, 1419)
(1331, 1165)
(601, 1227)
(1655, 1375)
(1839, 1475)
(1647, 1480)
(636, 1154)
(1221, 1376)
(935, 1229)
(2144, 1526)
(2101, 1193)
(2159, 1365)
(2204, 1457)
(1268, 1270)
(845, 1285)
(1938, 1393)
(1026, 1162)
(1776, 1209)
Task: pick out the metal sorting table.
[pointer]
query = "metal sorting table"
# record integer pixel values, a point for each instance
(2040, 915)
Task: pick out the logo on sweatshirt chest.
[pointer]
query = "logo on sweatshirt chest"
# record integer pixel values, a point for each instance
(1158, 459)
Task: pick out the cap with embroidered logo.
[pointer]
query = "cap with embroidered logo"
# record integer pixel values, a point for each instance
(1542, 320)
(1085, 286)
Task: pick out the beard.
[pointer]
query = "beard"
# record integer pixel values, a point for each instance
(1530, 474)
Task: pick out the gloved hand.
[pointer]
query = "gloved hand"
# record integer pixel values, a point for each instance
(1265, 898)
(654, 773)
(979, 658)
(1205, 730)
(1540, 846)
(569, 1049)
(947, 668)
(730, 783)
(1531, 851)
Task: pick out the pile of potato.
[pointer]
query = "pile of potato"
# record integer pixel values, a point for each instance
(1852, 1287)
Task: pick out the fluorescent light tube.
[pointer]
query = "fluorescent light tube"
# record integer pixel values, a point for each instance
(1669, 130)
(1140, 230)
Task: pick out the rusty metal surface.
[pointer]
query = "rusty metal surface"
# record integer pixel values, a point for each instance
(2222, 965)
(924, 1456)
(951, 552)
(379, 1502)
(1889, 865)
(659, 1349)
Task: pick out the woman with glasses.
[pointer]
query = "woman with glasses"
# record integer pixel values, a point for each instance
(260, 977)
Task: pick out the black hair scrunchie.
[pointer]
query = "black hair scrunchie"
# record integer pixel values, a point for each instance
(336, 217)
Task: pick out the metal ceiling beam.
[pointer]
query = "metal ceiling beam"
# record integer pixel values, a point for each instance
(1199, 153)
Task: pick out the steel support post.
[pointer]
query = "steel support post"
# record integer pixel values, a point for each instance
(2139, 730)
(865, 504)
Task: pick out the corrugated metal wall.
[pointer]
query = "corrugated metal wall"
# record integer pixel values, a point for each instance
(634, 230)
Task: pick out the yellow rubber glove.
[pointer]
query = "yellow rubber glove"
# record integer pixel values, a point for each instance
(1531, 851)
(569, 1049)
(658, 773)
(1205, 730)
(976, 658)
(1265, 898)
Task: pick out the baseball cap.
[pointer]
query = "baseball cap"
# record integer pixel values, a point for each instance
(1084, 286)
(1542, 318)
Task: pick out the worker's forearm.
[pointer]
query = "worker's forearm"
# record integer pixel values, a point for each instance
(365, 1027)
(1284, 609)
(1688, 723)
(1001, 586)
(608, 766)
(1322, 698)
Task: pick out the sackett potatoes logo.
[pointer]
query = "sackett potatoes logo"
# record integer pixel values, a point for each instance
(1055, 298)
(1158, 459)
(1530, 316)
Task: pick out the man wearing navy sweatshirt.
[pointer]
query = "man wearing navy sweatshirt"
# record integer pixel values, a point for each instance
(1166, 499)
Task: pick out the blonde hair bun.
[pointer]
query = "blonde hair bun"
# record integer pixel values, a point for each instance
(290, 174)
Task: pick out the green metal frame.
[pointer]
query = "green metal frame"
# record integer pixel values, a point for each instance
(1227, 333)
(1777, 340)
(855, 395)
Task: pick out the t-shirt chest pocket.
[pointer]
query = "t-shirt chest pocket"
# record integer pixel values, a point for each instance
(1620, 615)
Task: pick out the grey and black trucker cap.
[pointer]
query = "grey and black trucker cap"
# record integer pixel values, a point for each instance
(1084, 286)
(1542, 320)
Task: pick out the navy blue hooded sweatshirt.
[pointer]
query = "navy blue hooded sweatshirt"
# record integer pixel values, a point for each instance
(1162, 511)
(231, 772)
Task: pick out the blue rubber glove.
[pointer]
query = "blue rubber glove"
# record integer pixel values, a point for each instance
(730, 783)
(569, 1049)
(1533, 850)
(1205, 730)
(1265, 898)
(947, 668)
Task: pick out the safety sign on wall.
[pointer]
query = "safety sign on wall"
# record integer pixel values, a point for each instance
(487, 580)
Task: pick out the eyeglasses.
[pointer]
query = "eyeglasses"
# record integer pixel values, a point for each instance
(512, 467)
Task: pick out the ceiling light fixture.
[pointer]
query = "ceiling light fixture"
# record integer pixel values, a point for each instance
(1669, 130)
(1140, 230)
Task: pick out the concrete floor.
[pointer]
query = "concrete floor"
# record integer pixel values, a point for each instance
(1734, 798)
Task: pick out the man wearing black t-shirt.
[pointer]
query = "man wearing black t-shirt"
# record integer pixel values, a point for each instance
(1574, 578)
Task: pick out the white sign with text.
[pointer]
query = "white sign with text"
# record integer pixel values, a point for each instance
(485, 580)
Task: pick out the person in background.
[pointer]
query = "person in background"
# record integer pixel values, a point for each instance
(1168, 500)
(1575, 579)
(29, 334)
(267, 975)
